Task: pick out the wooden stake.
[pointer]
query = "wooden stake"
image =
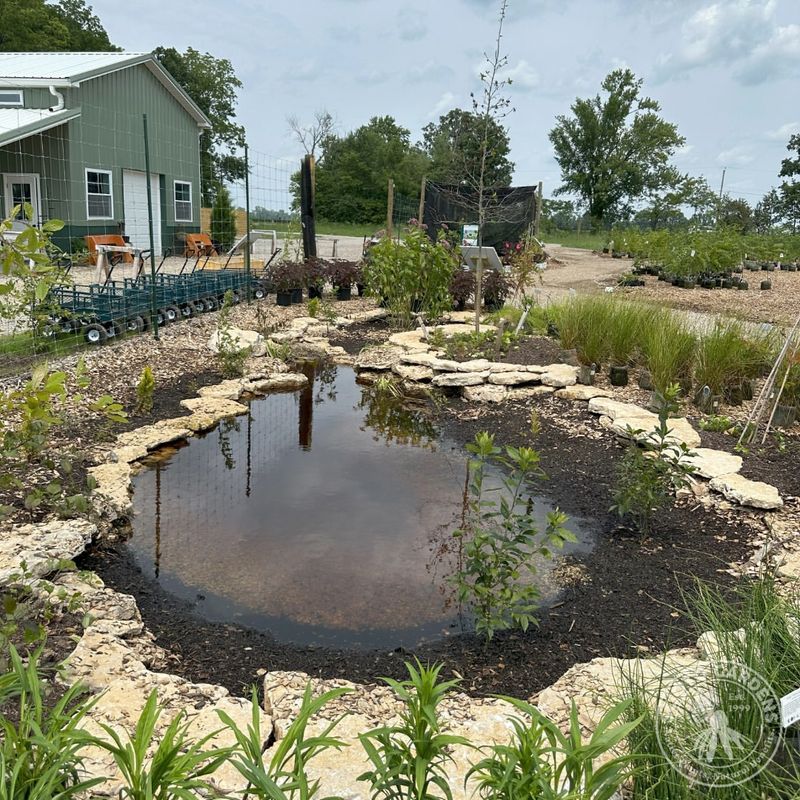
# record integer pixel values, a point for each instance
(421, 213)
(390, 208)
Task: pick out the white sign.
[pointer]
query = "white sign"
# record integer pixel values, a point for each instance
(469, 236)
(790, 708)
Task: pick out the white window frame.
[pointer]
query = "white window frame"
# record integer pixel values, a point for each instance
(7, 104)
(175, 201)
(108, 172)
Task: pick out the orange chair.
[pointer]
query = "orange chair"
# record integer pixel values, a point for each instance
(199, 244)
(108, 238)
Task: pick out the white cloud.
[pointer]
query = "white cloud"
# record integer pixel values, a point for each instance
(523, 76)
(411, 28)
(783, 133)
(684, 150)
(742, 34)
(444, 103)
(737, 156)
(302, 71)
(431, 72)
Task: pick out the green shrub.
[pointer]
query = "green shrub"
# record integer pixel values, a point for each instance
(145, 390)
(232, 356)
(501, 540)
(223, 218)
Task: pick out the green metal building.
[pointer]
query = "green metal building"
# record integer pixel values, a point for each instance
(72, 145)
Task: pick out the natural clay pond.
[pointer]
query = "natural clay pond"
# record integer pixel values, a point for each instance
(323, 517)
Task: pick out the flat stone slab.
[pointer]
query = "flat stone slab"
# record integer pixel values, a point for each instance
(379, 358)
(216, 407)
(709, 463)
(513, 378)
(239, 339)
(560, 375)
(41, 546)
(286, 382)
(413, 372)
(487, 393)
(460, 379)
(745, 492)
(475, 365)
(608, 407)
(581, 392)
(410, 340)
(680, 432)
(528, 392)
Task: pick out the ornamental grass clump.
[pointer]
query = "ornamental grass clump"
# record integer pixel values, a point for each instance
(668, 348)
(625, 324)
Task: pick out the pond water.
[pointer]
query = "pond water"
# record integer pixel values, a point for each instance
(323, 516)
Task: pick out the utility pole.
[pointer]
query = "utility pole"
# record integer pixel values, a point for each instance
(719, 201)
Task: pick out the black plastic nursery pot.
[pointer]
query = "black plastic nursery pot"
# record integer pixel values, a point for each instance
(766, 285)
(785, 416)
(297, 295)
(743, 285)
(361, 289)
(314, 291)
(586, 375)
(343, 292)
(645, 380)
(618, 376)
(283, 297)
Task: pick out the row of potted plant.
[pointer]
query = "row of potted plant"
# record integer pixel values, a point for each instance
(290, 278)
(495, 288)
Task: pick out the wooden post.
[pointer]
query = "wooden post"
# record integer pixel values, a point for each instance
(390, 208)
(421, 213)
(537, 216)
(307, 207)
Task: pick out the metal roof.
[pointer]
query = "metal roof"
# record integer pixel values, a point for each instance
(67, 70)
(62, 66)
(18, 123)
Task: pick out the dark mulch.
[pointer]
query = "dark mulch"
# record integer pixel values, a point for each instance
(775, 462)
(628, 598)
(534, 350)
(363, 334)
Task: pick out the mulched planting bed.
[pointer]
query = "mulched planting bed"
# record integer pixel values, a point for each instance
(534, 350)
(622, 600)
(363, 334)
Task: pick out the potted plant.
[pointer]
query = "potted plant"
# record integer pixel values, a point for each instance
(287, 276)
(462, 287)
(622, 330)
(496, 287)
(315, 272)
(343, 275)
(786, 410)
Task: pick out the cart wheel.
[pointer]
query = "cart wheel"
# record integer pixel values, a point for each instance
(135, 324)
(237, 298)
(160, 318)
(95, 333)
(210, 303)
(259, 293)
(116, 327)
(197, 306)
(187, 310)
(67, 325)
(173, 313)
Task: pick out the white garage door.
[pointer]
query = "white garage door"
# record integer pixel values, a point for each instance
(134, 187)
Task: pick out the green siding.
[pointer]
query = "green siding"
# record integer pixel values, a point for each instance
(109, 135)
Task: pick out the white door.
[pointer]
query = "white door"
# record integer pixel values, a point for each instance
(134, 194)
(20, 189)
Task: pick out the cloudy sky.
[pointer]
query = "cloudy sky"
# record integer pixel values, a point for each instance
(727, 72)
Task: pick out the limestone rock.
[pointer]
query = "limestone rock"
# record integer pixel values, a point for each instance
(581, 392)
(710, 463)
(475, 365)
(419, 359)
(240, 339)
(287, 382)
(528, 392)
(136, 444)
(560, 375)
(411, 372)
(447, 379)
(485, 394)
(746, 492)
(41, 546)
(228, 390)
(216, 407)
(513, 378)
(379, 358)
(113, 488)
(410, 340)
(609, 407)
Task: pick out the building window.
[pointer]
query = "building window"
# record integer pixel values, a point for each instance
(183, 201)
(99, 194)
(10, 98)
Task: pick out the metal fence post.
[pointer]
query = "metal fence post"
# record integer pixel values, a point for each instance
(248, 244)
(153, 296)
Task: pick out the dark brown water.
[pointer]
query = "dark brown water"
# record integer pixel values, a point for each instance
(324, 517)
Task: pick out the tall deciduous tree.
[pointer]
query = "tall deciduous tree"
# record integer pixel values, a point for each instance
(213, 85)
(790, 189)
(352, 180)
(453, 145)
(614, 148)
(34, 25)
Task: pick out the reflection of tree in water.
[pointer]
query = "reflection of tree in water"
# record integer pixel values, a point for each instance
(395, 419)
(326, 378)
(224, 434)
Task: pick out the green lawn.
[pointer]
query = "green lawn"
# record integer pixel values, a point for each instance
(587, 241)
(323, 228)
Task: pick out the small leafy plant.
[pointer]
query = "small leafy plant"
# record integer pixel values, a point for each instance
(408, 760)
(501, 539)
(145, 389)
(232, 355)
(648, 475)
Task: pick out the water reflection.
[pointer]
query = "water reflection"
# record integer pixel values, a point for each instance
(324, 516)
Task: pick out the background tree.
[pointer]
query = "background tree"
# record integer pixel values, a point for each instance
(666, 205)
(223, 218)
(558, 215)
(790, 189)
(735, 212)
(352, 178)
(768, 213)
(615, 148)
(312, 135)
(213, 85)
(453, 145)
(34, 25)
